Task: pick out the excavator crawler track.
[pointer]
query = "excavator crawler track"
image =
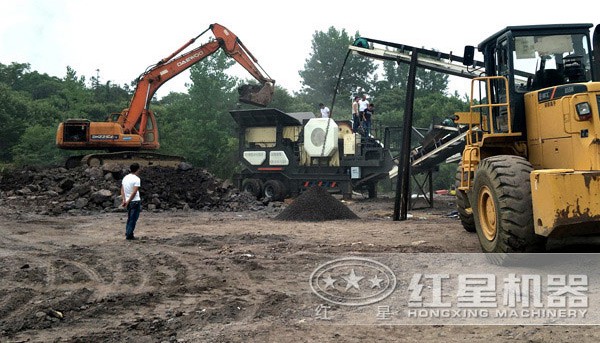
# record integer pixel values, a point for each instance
(125, 158)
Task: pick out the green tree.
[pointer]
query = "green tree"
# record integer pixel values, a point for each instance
(431, 100)
(431, 104)
(32, 104)
(429, 81)
(13, 110)
(321, 70)
(40, 86)
(199, 126)
(434, 106)
(34, 147)
(284, 101)
(394, 75)
(12, 74)
(73, 97)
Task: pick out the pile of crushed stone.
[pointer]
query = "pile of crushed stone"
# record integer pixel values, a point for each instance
(87, 190)
(316, 204)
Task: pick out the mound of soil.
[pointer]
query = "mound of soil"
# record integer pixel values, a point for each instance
(316, 204)
(85, 190)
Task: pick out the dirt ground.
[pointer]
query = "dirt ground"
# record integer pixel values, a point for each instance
(214, 277)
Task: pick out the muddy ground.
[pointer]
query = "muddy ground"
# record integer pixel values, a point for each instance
(214, 277)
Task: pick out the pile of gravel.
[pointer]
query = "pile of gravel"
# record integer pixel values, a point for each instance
(316, 204)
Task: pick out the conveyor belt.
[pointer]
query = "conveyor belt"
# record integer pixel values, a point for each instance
(439, 144)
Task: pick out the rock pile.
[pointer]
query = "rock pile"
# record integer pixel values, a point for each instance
(92, 189)
(316, 204)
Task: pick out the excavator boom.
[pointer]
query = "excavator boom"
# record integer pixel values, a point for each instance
(151, 80)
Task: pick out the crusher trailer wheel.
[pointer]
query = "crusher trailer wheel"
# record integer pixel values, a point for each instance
(463, 206)
(502, 207)
(253, 186)
(274, 190)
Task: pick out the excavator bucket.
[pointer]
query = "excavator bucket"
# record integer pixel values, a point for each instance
(256, 94)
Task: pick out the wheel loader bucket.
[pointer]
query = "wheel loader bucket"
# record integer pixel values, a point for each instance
(256, 94)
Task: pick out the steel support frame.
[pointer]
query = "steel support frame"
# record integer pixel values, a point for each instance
(427, 193)
(403, 183)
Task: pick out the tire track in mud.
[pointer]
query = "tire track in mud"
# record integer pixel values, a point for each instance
(149, 276)
(25, 272)
(27, 246)
(70, 269)
(10, 246)
(92, 274)
(168, 270)
(74, 282)
(193, 270)
(14, 304)
(237, 274)
(39, 273)
(143, 269)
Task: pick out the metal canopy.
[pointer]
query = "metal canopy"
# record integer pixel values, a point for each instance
(268, 116)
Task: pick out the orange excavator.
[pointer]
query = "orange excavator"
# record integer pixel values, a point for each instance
(124, 134)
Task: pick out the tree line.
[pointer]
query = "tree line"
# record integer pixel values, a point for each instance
(197, 124)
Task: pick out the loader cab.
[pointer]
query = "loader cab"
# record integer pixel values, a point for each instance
(532, 58)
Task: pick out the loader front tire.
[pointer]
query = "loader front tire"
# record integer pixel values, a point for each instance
(502, 206)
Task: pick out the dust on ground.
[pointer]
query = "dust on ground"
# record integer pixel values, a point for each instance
(213, 277)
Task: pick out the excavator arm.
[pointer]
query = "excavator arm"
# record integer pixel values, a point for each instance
(155, 76)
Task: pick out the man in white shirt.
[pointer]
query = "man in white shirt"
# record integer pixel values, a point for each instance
(324, 111)
(363, 104)
(130, 193)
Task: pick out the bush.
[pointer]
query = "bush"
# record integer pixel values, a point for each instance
(36, 147)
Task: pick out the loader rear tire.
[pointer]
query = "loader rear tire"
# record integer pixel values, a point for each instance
(463, 206)
(502, 206)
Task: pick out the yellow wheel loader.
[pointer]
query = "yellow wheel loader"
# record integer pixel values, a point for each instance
(530, 169)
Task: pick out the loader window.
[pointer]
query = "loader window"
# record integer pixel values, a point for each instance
(499, 91)
(545, 61)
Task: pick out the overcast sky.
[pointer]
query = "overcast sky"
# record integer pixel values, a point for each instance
(121, 38)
